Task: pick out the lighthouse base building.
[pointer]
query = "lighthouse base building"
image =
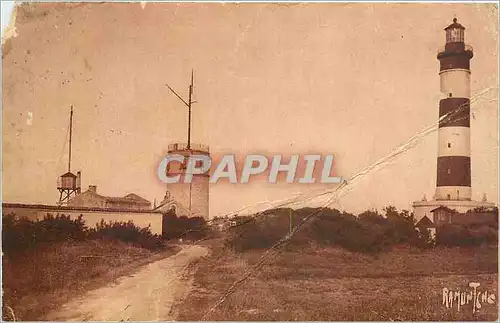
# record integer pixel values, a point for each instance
(453, 184)
(422, 209)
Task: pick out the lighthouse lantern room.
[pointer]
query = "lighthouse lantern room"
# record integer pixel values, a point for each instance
(455, 32)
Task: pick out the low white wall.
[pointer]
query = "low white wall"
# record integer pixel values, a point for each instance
(91, 217)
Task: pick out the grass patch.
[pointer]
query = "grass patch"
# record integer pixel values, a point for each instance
(333, 284)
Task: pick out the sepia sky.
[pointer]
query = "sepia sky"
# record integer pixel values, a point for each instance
(352, 80)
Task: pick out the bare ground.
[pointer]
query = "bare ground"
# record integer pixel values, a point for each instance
(147, 295)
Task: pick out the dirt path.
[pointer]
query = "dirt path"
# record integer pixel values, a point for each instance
(147, 295)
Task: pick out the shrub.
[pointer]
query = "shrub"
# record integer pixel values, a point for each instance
(183, 227)
(370, 231)
(462, 235)
(423, 239)
(127, 232)
(403, 227)
(20, 234)
(366, 234)
(261, 231)
(61, 227)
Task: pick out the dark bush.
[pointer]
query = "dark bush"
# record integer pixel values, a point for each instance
(365, 234)
(462, 235)
(61, 227)
(127, 232)
(368, 232)
(422, 239)
(261, 231)
(20, 234)
(183, 227)
(402, 225)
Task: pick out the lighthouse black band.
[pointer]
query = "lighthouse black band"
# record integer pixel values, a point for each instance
(451, 62)
(454, 56)
(453, 171)
(456, 112)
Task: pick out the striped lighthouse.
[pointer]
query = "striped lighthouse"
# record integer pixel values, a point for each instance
(453, 185)
(454, 162)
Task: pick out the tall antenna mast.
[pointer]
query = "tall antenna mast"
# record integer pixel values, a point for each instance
(69, 184)
(188, 104)
(70, 135)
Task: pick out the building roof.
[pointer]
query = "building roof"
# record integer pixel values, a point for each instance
(114, 199)
(58, 208)
(136, 198)
(69, 174)
(126, 200)
(447, 209)
(455, 25)
(425, 222)
(130, 198)
(180, 210)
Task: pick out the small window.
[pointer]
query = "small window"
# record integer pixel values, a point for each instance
(449, 197)
(454, 35)
(449, 145)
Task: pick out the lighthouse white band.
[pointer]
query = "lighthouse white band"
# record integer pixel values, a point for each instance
(453, 193)
(454, 141)
(455, 82)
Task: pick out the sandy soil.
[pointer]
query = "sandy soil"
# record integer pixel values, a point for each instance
(147, 295)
